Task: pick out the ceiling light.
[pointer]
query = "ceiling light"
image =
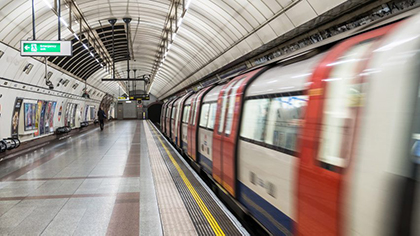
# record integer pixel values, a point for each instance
(64, 22)
(180, 22)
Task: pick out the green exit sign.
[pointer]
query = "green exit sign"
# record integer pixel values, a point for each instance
(41, 47)
(46, 48)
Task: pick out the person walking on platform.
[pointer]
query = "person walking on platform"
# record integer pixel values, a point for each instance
(101, 118)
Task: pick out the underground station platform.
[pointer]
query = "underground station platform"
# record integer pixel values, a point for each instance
(125, 180)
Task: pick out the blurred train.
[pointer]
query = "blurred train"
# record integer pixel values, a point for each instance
(323, 142)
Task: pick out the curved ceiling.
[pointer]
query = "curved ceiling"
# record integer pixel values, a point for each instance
(176, 43)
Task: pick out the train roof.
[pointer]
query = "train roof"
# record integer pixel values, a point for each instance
(283, 79)
(213, 94)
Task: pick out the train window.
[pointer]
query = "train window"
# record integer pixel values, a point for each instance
(186, 113)
(231, 108)
(204, 115)
(192, 112)
(284, 121)
(178, 111)
(224, 104)
(195, 112)
(173, 112)
(212, 115)
(168, 110)
(342, 97)
(254, 119)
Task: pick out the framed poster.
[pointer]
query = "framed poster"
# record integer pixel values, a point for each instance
(29, 110)
(15, 117)
(38, 117)
(52, 112)
(92, 113)
(42, 118)
(67, 115)
(86, 113)
(47, 117)
(60, 111)
(73, 115)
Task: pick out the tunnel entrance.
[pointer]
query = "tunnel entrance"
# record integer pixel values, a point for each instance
(153, 111)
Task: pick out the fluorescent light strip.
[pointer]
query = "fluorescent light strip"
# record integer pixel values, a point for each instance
(188, 4)
(64, 22)
(180, 22)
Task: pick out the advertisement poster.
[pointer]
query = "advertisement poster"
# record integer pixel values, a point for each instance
(73, 116)
(38, 117)
(47, 117)
(52, 117)
(81, 114)
(66, 116)
(86, 113)
(15, 117)
(42, 120)
(29, 118)
(60, 111)
(92, 113)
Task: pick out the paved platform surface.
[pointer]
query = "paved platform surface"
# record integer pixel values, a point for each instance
(120, 181)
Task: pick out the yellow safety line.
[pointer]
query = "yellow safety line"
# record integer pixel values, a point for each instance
(213, 223)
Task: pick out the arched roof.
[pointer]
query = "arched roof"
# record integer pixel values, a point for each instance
(176, 41)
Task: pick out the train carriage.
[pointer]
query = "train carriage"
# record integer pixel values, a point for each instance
(329, 133)
(322, 143)
(180, 118)
(186, 119)
(206, 127)
(163, 117)
(169, 118)
(225, 134)
(193, 124)
(174, 119)
(267, 147)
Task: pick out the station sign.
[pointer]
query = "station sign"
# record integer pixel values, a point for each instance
(143, 97)
(46, 48)
(139, 97)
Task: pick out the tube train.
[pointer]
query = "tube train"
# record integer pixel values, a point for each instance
(324, 142)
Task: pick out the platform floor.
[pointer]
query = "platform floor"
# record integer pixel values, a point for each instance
(125, 180)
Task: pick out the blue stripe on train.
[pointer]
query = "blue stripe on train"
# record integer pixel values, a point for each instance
(205, 163)
(272, 218)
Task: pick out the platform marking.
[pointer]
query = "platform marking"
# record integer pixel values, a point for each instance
(213, 223)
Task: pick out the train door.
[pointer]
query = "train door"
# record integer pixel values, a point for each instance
(168, 119)
(327, 144)
(162, 118)
(174, 116)
(195, 120)
(179, 120)
(226, 129)
(191, 124)
(185, 124)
